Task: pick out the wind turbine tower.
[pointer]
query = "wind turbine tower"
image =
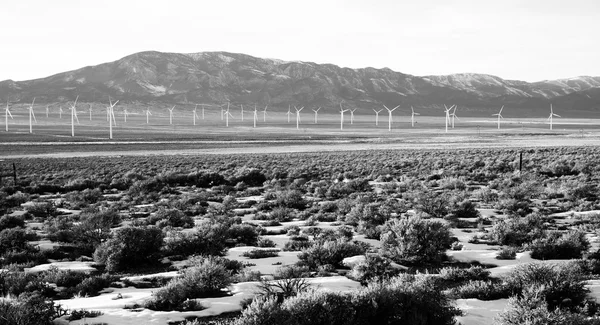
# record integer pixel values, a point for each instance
(289, 113)
(111, 117)
(352, 115)
(227, 115)
(298, 116)
(551, 115)
(6, 115)
(447, 110)
(342, 116)
(148, 113)
(499, 116)
(412, 116)
(242, 106)
(171, 114)
(265, 113)
(377, 116)
(316, 114)
(90, 111)
(31, 115)
(195, 114)
(255, 115)
(74, 116)
(390, 116)
(454, 115)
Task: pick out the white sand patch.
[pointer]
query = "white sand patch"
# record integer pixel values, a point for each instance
(479, 312)
(266, 265)
(73, 266)
(166, 275)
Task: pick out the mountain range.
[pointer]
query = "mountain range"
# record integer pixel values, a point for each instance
(218, 77)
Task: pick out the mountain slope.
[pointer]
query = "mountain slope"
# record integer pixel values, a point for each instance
(218, 77)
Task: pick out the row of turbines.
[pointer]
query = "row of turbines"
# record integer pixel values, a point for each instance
(226, 115)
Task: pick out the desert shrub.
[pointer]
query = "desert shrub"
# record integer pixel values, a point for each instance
(16, 283)
(242, 234)
(559, 245)
(93, 229)
(42, 210)
(208, 238)
(297, 243)
(13, 239)
(10, 221)
(373, 268)
(291, 271)
(83, 313)
(292, 199)
(265, 242)
(562, 285)
(456, 275)
(92, 286)
(29, 309)
(330, 252)
(282, 288)
(261, 253)
(204, 279)
(532, 308)
(62, 278)
(465, 209)
(282, 214)
(170, 218)
(507, 253)
(480, 289)
(130, 247)
(514, 207)
(517, 231)
(433, 203)
(415, 240)
(403, 300)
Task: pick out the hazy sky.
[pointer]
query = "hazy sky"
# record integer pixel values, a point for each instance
(528, 40)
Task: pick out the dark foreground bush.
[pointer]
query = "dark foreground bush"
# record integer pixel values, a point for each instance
(130, 247)
(402, 300)
(558, 245)
(205, 278)
(29, 309)
(261, 253)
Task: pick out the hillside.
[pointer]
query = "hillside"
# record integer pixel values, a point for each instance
(218, 77)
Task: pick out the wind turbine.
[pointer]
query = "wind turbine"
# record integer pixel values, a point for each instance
(342, 116)
(242, 106)
(412, 116)
(125, 114)
(148, 113)
(289, 112)
(227, 115)
(447, 110)
(298, 116)
(499, 116)
(223, 110)
(390, 116)
(265, 113)
(171, 114)
(202, 111)
(377, 116)
(111, 117)
(47, 110)
(552, 114)
(255, 115)
(90, 111)
(195, 114)
(454, 115)
(6, 115)
(31, 115)
(352, 115)
(316, 114)
(60, 110)
(74, 116)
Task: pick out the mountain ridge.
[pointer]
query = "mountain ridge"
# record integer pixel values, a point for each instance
(219, 77)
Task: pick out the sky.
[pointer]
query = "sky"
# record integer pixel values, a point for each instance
(530, 40)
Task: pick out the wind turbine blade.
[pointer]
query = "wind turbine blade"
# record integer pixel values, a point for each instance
(76, 101)
(501, 109)
(556, 115)
(9, 114)
(115, 104)
(33, 115)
